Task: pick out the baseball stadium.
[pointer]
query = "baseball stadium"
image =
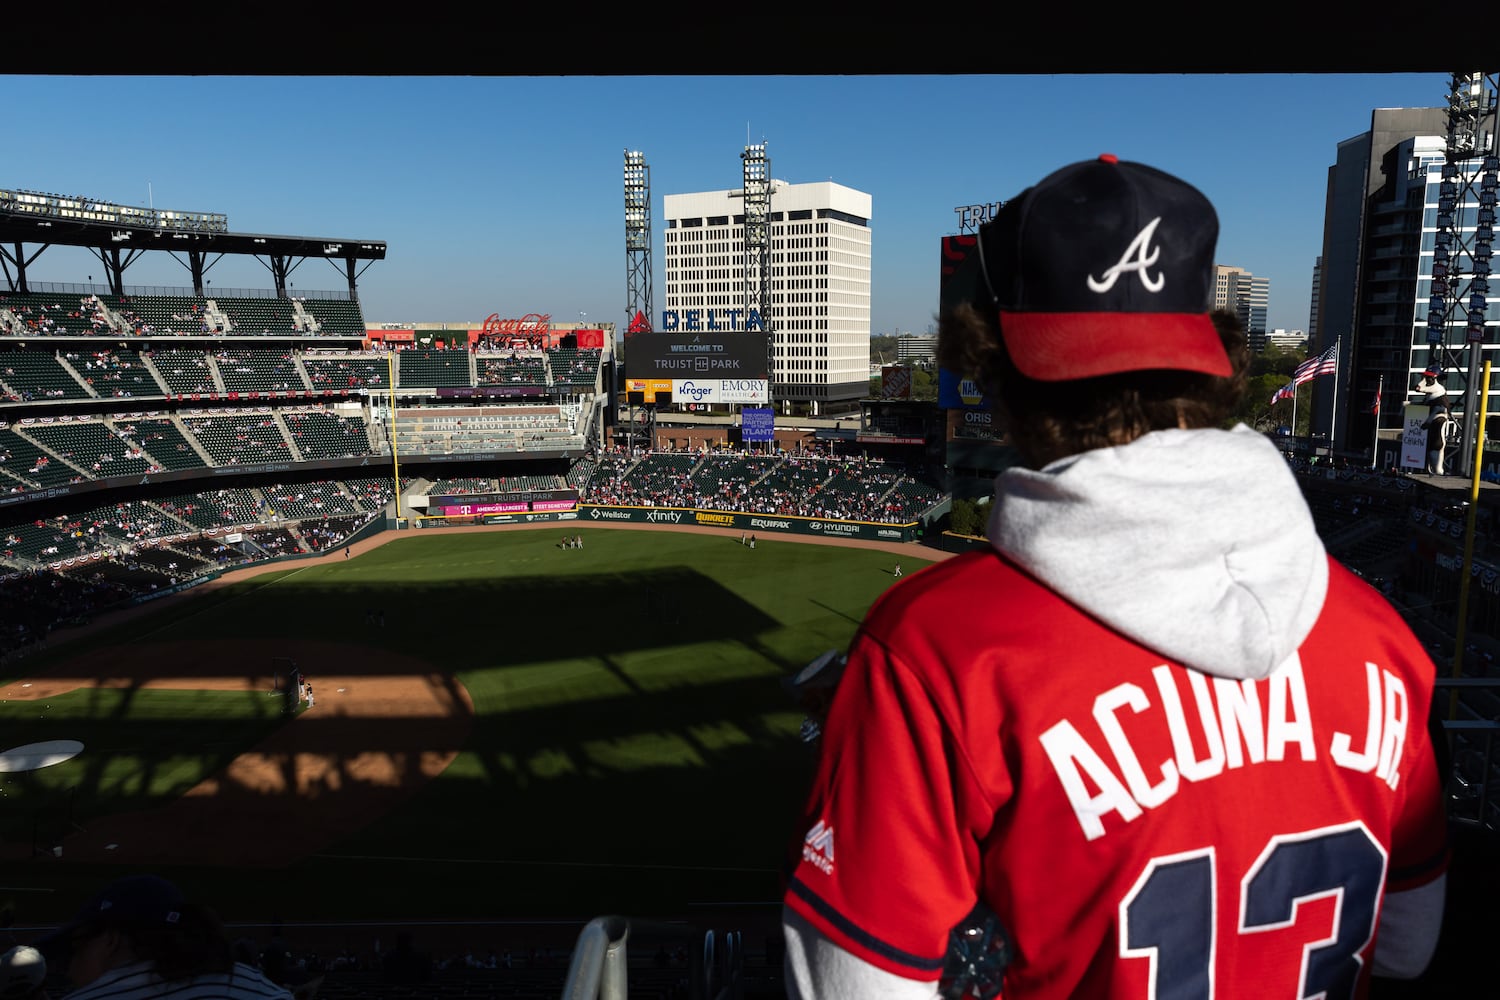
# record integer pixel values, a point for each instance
(457, 644)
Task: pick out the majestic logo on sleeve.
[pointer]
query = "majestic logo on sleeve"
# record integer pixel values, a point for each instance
(1138, 257)
(817, 847)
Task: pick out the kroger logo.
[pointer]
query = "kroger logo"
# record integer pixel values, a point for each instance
(696, 391)
(758, 522)
(672, 516)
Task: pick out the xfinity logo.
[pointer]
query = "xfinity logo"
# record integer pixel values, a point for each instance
(758, 522)
(670, 516)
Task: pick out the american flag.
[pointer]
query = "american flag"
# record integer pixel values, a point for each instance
(1285, 392)
(1326, 363)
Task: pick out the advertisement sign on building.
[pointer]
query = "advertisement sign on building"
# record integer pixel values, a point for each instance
(697, 356)
(895, 382)
(758, 423)
(1414, 437)
(744, 390)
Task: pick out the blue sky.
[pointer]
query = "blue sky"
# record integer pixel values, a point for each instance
(503, 194)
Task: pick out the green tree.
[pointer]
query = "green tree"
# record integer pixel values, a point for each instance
(883, 349)
(965, 518)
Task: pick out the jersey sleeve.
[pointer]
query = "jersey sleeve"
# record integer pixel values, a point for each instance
(890, 855)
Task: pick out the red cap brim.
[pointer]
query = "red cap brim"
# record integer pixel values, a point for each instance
(1060, 347)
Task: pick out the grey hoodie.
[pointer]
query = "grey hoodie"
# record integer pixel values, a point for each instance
(1195, 543)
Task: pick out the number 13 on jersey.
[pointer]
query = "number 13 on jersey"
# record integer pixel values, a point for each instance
(1169, 916)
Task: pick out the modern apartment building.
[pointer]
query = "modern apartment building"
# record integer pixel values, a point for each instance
(1248, 297)
(1385, 193)
(818, 314)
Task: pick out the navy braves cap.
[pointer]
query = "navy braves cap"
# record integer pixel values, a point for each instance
(134, 901)
(1105, 267)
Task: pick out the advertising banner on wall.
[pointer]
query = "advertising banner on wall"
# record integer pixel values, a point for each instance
(758, 423)
(744, 390)
(1414, 437)
(650, 386)
(703, 390)
(820, 527)
(696, 355)
(895, 382)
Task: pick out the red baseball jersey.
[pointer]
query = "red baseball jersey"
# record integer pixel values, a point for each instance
(1141, 829)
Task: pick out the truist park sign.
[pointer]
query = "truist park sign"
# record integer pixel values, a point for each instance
(696, 357)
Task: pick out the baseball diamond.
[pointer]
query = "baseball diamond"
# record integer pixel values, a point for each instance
(528, 733)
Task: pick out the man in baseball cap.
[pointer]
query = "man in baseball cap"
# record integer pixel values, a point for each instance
(1153, 717)
(138, 937)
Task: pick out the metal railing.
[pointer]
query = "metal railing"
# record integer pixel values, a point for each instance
(597, 970)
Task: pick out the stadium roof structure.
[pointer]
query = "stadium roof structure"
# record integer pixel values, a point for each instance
(118, 237)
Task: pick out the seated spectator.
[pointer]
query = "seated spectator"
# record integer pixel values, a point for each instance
(140, 938)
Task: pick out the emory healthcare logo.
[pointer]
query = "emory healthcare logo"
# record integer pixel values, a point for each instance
(817, 847)
(1145, 257)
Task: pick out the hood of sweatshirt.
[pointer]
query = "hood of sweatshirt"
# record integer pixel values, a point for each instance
(1197, 544)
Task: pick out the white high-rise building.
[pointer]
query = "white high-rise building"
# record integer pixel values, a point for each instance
(818, 313)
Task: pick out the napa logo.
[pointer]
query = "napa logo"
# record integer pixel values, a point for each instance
(969, 392)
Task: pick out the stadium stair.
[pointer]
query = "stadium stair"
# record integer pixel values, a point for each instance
(286, 432)
(68, 367)
(192, 439)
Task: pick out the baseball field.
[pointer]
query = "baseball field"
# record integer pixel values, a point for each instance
(501, 728)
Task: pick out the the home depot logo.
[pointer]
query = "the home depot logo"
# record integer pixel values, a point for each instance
(817, 847)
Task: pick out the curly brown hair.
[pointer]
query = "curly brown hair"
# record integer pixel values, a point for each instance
(1046, 421)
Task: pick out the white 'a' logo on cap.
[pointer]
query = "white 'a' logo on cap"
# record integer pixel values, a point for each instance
(1144, 254)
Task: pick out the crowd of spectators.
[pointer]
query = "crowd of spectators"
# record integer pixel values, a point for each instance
(852, 489)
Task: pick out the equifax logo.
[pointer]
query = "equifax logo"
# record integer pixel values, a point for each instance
(817, 847)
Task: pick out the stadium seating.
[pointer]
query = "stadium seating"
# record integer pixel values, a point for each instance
(431, 369)
(185, 372)
(162, 440)
(34, 376)
(514, 369)
(347, 371)
(91, 446)
(240, 438)
(242, 370)
(325, 434)
(115, 372)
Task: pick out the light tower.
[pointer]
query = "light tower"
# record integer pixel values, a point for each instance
(757, 268)
(1464, 241)
(637, 244)
(637, 281)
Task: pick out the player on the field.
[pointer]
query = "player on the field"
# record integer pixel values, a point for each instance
(1174, 748)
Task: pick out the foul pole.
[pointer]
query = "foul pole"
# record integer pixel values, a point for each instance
(390, 378)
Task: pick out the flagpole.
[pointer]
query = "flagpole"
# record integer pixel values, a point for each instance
(1333, 415)
(1294, 409)
(1375, 447)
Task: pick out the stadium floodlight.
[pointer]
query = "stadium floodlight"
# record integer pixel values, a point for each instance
(331, 248)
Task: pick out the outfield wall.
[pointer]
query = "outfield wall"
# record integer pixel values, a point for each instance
(753, 523)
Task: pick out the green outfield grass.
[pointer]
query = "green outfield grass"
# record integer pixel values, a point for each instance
(633, 750)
